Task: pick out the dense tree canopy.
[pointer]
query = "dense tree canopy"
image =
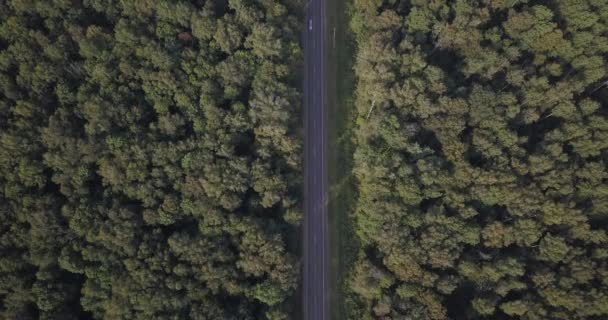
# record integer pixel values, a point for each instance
(149, 159)
(482, 159)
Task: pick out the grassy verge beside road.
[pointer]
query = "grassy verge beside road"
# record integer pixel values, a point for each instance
(342, 188)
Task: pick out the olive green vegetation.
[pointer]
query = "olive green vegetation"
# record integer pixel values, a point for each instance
(342, 191)
(149, 159)
(481, 159)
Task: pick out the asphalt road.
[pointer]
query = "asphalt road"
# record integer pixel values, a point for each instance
(315, 282)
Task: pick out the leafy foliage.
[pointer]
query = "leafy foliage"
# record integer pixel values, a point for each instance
(482, 159)
(149, 159)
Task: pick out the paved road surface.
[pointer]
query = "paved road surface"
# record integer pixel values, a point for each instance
(315, 295)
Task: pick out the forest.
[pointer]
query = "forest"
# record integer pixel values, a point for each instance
(149, 159)
(481, 159)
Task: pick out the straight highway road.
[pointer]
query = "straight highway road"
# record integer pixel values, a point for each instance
(315, 282)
